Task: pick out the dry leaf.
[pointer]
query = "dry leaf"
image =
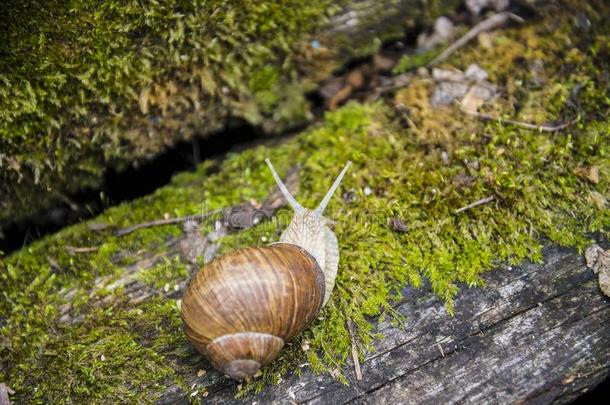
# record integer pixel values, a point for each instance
(598, 260)
(589, 173)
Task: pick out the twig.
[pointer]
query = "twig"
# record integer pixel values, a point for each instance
(169, 221)
(440, 348)
(476, 204)
(541, 128)
(74, 249)
(352, 335)
(488, 24)
(271, 204)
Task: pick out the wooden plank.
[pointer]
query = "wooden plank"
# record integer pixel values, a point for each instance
(535, 334)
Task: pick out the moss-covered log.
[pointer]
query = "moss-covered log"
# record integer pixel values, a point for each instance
(87, 85)
(87, 315)
(537, 334)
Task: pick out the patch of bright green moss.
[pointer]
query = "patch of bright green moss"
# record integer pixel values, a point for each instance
(414, 61)
(169, 271)
(534, 177)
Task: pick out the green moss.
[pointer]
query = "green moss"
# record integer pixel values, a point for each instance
(413, 61)
(112, 354)
(86, 85)
(536, 179)
(162, 274)
(89, 84)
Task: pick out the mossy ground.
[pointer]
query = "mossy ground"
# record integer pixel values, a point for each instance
(87, 84)
(536, 178)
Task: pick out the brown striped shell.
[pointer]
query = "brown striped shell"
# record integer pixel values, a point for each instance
(240, 309)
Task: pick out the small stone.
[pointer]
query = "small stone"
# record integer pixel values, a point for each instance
(305, 345)
(103, 358)
(442, 32)
(368, 191)
(446, 93)
(476, 73)
(476, 96)
(201, 373)
(476, 6)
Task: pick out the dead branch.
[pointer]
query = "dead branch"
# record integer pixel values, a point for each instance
(526, 125)
(78, 249)
(488, 24)
(476, 204)
(168, 221)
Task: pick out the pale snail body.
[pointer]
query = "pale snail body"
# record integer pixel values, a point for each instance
(240, 309)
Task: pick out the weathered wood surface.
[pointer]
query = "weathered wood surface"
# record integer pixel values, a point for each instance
(535, 334)
(362, 25)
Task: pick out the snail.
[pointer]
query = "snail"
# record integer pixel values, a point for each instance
(240, 309)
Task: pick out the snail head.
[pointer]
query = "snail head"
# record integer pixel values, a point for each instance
(299, 210)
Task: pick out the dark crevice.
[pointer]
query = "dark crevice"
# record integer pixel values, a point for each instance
(126, 185)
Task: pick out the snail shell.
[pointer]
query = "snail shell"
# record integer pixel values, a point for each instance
(240, 309)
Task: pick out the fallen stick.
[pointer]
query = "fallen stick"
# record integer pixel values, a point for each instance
(168, 221)
(527, 125)
(476, 204)
(78, 249)
(488, 24)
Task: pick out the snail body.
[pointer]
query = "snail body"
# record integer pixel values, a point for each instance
(240, 309)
